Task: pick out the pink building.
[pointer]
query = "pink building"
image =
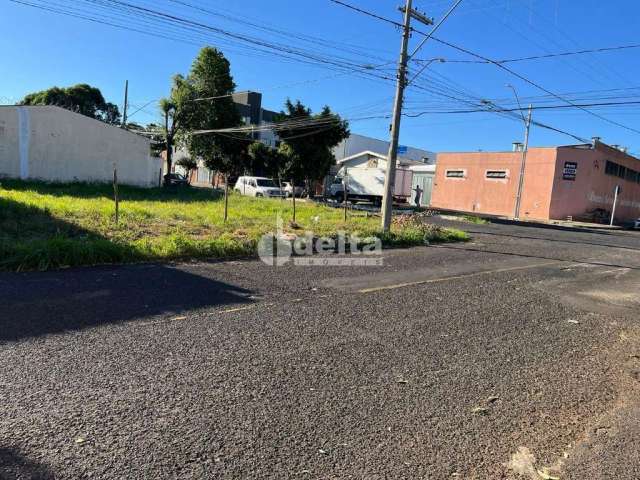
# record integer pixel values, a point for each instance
(559, 182)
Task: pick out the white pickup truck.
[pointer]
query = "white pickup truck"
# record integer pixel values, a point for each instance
(367, 184)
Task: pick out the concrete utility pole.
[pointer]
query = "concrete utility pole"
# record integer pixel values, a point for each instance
(126, 104)
(527, 128)
(390, 178)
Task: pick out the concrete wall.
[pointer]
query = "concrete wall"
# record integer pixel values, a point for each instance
(53, 144)
(477, 193)
(592, 187)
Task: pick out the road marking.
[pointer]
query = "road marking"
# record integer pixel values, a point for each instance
(239, 309)
(455, 277)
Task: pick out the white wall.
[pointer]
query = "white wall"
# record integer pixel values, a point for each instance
(53, 144)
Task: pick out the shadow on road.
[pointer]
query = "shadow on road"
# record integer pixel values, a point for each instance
(15, 466)
(38, 304)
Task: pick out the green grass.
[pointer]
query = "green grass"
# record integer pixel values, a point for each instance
(47, 226)
(474, 219)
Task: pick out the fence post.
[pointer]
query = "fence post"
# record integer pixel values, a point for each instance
(115, 193)
(346, 195)
(293, 197)
(226, 197)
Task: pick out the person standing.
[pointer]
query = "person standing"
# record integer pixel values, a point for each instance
(418, 196)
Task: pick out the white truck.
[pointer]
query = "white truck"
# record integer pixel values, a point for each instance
(367, 184)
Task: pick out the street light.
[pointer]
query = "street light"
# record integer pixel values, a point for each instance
(515, 93)
(424, 67)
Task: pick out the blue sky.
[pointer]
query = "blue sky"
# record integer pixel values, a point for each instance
(42, 49)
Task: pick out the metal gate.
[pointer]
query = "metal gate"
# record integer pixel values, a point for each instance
(425, 182)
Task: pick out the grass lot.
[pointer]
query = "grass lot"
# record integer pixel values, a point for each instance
(46, 226)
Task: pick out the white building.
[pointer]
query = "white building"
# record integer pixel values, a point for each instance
(422, 173)
(56, 145)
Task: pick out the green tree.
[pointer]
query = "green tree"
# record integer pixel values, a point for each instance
(211, 79)
(157, 136)
(189, 164)
(81, 98)
(308, 140)
(265, 161)
(177, 111)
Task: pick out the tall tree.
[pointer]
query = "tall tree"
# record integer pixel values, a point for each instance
(81, 98)
(211, 80)
(308, 140)
(177, 111)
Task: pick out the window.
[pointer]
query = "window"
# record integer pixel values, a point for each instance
(455, 173)
(265, 183)
(620, 171)
(496, 174)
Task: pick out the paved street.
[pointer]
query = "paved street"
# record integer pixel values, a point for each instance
(494, 359)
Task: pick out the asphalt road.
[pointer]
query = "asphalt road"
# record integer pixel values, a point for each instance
(494, 359)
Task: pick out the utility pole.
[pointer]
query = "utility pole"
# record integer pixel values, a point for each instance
(126, 104)
(390, 178)
(527, 127)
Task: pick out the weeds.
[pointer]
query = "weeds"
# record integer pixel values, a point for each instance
(47, 226)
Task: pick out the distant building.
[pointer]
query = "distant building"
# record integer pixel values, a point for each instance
(56, 145)
(356, 144)
(576, 181)
(358, 148)
(249, 105)
(422, 173)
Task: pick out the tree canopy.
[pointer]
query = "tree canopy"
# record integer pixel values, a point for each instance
(265, 161)
(81, 98)
(211, 80)
(308, 140)
(177, 111)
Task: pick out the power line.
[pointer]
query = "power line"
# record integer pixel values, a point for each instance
(550, 55)
(536, 85)
(365, 12)
(499, 65)
(541, 107)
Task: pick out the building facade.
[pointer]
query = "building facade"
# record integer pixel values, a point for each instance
(56, 145)
(574, 181)
(249, 105)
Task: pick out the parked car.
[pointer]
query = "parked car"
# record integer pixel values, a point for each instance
(288, 190)
(258, 187)
(176, 179)
(636, 224)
